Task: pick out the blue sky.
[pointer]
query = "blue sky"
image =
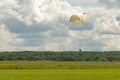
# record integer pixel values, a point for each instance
(43, 25)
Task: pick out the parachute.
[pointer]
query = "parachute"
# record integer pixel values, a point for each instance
(79, 19)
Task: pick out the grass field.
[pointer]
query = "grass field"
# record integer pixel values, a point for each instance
(60, 74)
(50, 70)
(58, 65)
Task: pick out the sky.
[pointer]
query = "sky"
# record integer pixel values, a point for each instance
(43, 25)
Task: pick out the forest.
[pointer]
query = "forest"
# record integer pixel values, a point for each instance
(60, 56)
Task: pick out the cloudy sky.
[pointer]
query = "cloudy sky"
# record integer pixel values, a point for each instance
(44, 25)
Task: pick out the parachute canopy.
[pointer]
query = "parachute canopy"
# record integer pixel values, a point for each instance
(79, 19)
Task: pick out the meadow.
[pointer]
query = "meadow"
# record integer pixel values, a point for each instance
(60, 74)
(56, 70)
(58, 65)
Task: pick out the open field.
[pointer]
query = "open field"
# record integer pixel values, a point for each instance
(60, 74)
(58, 65)
(52, 70)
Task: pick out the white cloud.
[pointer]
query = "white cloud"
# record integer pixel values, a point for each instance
(106, 22)
(110, 3)
(43, 25)
(47, 20)
(83, 3)
(106, 27)
(7, 39)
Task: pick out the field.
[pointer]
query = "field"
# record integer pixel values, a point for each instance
(60, 74)
(58, 65)
(49, 70)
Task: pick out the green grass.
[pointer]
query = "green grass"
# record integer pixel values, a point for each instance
(58, 65)
(51, 70)
(60, 74)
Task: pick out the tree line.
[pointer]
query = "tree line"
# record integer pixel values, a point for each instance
(60, 56)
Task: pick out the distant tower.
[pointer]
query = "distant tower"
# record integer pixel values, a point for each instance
(80, 50)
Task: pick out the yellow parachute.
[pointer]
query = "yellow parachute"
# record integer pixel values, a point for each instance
(79, 19)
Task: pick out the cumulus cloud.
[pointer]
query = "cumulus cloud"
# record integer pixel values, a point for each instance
(110, 3)
(106, 27)
(106, 22)
(43, 25)
(118, 18)
(37, 24)
(7, 39)
(83, 3)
